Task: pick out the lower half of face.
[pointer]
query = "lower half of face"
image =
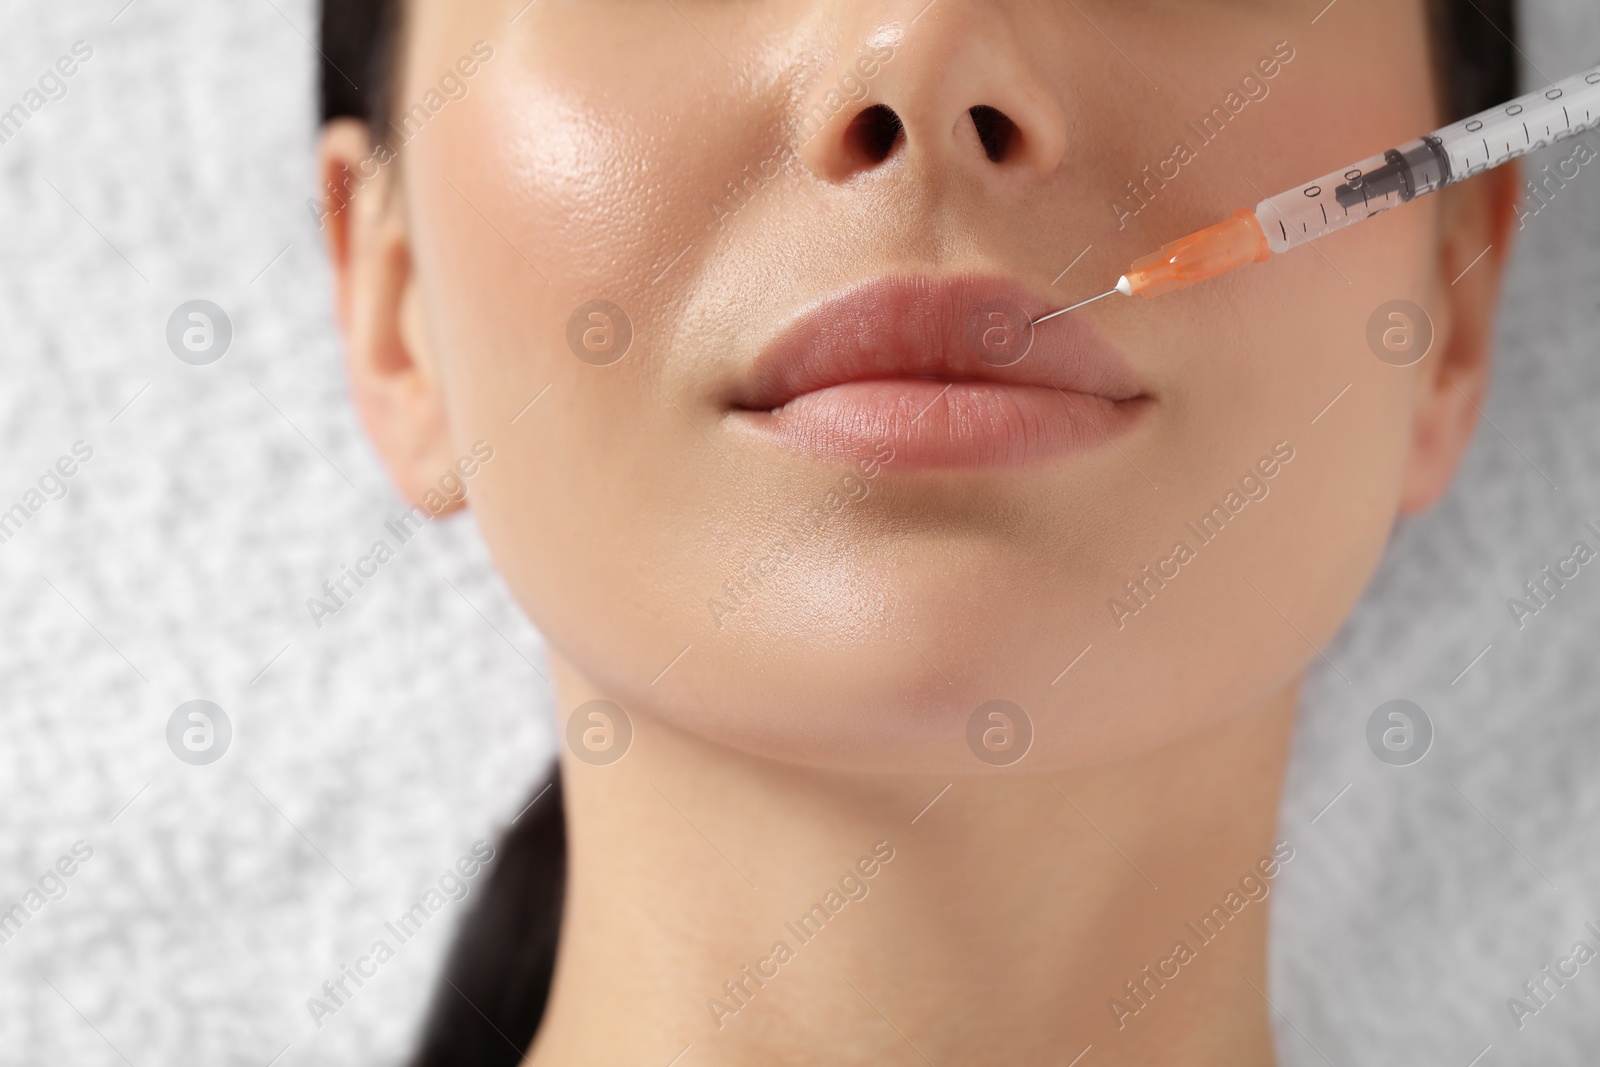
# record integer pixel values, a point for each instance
(767, 269)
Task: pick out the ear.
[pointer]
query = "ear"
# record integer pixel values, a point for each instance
(393, 377)
(1474, 221)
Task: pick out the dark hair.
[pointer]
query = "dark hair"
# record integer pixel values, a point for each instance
(1475, 54)
(497, 976)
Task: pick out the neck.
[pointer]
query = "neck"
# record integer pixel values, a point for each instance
(762, 912)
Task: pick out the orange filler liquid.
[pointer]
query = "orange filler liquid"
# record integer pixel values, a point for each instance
(1237, 241)
(1370, 187)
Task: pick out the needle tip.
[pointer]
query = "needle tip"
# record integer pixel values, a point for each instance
(1081, 303)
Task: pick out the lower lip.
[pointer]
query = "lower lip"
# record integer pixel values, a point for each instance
(932, 424)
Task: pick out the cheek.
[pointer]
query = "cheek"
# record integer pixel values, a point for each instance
(558, 182)
(1283, 356)
(597, 165)
(1247, 361)
(569, 176)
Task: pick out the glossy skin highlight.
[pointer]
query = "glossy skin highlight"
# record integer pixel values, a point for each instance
(630, 506)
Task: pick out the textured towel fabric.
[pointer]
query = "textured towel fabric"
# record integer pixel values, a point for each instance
(1425, 896)
(208, 903)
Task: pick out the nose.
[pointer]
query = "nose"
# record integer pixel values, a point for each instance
(956, 87)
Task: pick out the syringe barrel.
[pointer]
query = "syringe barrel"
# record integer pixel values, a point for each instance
(1525, 125)
(1357, 192)
(1444, 157)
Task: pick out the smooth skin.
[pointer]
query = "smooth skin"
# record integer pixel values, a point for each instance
(774, 745)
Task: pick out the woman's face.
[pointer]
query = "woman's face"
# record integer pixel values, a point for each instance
(815, 486)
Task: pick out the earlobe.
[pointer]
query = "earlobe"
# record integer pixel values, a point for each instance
(1476, 234)
(393, 378)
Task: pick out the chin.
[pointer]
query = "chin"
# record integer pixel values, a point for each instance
(897, 697)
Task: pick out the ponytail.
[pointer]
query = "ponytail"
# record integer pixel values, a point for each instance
(491, 997)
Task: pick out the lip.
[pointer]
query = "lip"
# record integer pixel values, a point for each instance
(923, 364)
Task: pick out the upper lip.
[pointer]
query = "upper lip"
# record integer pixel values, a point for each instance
(916, 326)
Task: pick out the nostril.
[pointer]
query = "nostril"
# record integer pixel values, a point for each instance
(874, 133)
(995, 129)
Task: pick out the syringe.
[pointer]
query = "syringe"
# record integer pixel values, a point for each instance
(1334, 201)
